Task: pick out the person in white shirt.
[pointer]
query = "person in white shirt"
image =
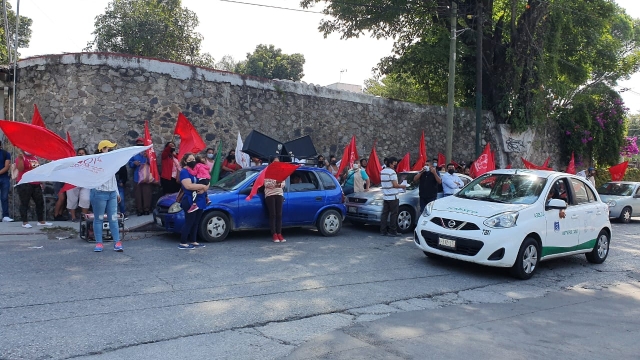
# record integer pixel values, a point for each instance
(390, 204)
(105, 199)
(450, 181)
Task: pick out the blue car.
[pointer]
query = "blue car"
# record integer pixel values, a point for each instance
(313, 199)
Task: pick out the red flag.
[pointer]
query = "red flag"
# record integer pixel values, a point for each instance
(190, 140)
(151, 154)
(484, 163)
(403, 165)
(571, 168)
(546, 162)
(373, 166)
(532, 166)
(69, 140)
(278, 171)
(37, 119)
(422, 155)
(442, 161)
(37, 140)
(617, 171)
(349, 156)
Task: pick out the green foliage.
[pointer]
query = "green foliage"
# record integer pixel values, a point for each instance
(538, 55)
(154, 28)
(227, 63)
(603, 175)
(594, 127)
(268, 62)
(397, 86)
(24, 32)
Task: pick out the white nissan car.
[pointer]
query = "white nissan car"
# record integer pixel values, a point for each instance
(516, 218)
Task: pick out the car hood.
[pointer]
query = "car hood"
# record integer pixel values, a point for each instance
(169, 199)
(479, 208)
(606, 198)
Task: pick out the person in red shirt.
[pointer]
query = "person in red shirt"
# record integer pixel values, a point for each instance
(27, 162)
(170, 169)
(230, 165)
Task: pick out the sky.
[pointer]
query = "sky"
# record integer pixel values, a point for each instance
(235, 29)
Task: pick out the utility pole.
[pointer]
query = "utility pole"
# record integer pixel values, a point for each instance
(452, 81)
(478, 77)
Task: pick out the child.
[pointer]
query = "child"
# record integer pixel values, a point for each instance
(203, 176)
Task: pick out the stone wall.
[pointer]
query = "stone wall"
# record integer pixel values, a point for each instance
(100, 95)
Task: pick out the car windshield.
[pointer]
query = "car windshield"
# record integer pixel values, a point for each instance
(616, 189)
(505, 188)
(236, 179)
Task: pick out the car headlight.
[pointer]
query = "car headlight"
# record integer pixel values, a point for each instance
(504, 220)
(611, 203)
(377, 202)
(428, 209)
(174, 208)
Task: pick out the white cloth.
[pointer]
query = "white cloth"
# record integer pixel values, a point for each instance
(242, 159)
(387, 176)
(90, 171)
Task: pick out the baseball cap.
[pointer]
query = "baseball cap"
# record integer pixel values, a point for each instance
(106, 143)
(139, 140)
(591, 169)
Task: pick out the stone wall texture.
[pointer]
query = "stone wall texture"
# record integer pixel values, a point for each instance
(101, 95)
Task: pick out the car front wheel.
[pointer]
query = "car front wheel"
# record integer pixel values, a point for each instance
(405, 219)
(214, 226)
(527, 260)
(600, 251)
(330, 223)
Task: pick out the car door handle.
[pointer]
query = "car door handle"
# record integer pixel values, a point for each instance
(574, 216)
(318, 198)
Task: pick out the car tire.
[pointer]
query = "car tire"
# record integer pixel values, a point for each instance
(330, 223)
(405, 219)
(214, 226)
(432, 255)
(601, 250)
(528, 259)
(625, 215)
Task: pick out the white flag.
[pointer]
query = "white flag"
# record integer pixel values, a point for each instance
(241, 158)
(88, 171)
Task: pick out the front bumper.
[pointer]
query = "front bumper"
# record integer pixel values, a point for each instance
(364, 213)
(483, 246)
(165, 220)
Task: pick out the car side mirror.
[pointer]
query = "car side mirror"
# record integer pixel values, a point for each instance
(636, 196)
(557, 204)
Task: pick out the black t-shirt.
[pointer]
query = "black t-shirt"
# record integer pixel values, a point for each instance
(428, 186)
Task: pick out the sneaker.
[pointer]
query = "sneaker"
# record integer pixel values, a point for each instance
(394, 235)
(186, 247)
(118, 247)
(98, 247)
(193, 208)
(281, 238)
(7, 219)
(276, 238)
(27, 226)
(45, 224)
(198, 245)
(125, 217)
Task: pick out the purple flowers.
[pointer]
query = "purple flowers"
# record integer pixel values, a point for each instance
(630, 148)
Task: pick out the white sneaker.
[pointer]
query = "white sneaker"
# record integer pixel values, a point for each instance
(7, 219)
(45, 224)
(27, 226)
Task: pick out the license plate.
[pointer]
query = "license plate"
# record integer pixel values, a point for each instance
(352, 209)
(447, 243)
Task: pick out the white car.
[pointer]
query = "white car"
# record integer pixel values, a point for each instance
(512, 219)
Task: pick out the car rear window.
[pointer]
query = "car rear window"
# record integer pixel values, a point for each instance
(327, 182)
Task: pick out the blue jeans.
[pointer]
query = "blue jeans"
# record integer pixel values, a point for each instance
(121, 205)
(5, 186)
(105, 201)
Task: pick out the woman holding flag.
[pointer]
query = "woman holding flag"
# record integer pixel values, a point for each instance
(105, 199)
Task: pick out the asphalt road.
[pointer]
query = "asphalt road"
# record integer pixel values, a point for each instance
(246, 298)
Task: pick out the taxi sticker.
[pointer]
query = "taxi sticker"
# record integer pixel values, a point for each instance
(556, 226)
(538, 214)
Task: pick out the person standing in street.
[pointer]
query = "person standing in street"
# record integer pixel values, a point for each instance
(78, 197)
(274, 199)
(391, 204)
(451, 181)
(5, 183)
(104, 199)
(26, 192)
(428, 180)
(143, 189)
(189, 183)
(170, 169)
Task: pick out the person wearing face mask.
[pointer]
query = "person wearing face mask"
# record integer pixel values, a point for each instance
(321, 162)
(170, 169)
(450, 181)
(105, 199)
(5, 183)
(333, 166)
(189, 183)
(391, 203)
(203, 176)
(210, 158)
(32, 191)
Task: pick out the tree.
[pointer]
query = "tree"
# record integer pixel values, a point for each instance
(398, 87)
(24, 32)
(538, 55)
(268, 62)
(227, 63)
(154, 28)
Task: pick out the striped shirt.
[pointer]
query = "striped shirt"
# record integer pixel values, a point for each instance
(270, 188)
(387, 176)
(111, 185)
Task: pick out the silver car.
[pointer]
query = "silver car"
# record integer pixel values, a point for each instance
(366, 207)
(623, 198)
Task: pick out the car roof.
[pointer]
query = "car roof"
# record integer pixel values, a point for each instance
(540, 173)
(623, 182)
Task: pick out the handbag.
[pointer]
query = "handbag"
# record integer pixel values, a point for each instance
(144, 174)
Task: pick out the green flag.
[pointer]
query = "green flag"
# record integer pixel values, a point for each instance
(215, 171)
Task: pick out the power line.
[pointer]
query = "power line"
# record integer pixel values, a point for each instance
(272, 6)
